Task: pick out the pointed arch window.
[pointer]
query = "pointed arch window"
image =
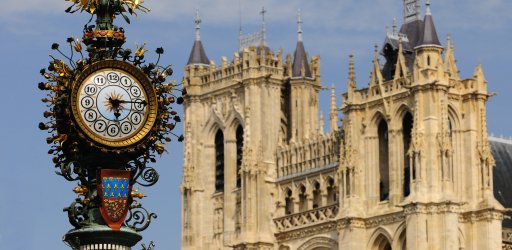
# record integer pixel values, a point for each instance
(383, 161)
(316, 195)
(303, 204)
(348, 182)
(448, 154)
(450, 128)
(407, 124)
(381, 243)
(331, 192)
(219, 161)
(239, 154)
(288, 200)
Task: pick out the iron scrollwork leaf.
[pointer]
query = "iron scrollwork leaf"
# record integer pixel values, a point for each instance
(77, 213)
(139, 218)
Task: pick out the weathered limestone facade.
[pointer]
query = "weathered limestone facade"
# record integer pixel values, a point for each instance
(409, 168)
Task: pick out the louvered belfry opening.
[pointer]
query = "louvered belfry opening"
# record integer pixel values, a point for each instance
(239, 154)
(407, 124)
(383, 161)
(219, 161)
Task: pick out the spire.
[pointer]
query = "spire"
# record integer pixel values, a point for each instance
(450, 62)
(429, 36)
(351, 83)
(333, 99)
(479, 74)
(395, 31)
(240, 34)
(299, 24)
(263, 26)
(374, 77)
(300, 58)
(321, 123)
(197, 55)
(197, 20)
(351, 73)
(334, 111)
(401, 63)
(449, 41)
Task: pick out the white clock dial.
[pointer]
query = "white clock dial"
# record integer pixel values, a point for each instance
(112, 104)
(411, 9)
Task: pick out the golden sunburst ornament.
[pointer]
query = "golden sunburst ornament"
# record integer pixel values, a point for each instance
(92, 5)
(114, 102)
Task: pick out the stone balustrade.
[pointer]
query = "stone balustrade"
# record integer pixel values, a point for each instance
(306, 218)
(309, 155)
(507, 238)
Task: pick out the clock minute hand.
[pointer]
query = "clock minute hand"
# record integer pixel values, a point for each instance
(137, 102)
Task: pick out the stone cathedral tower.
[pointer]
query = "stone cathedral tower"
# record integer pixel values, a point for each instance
(416, 163)
(410, 167)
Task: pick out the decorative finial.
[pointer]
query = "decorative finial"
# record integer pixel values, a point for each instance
(333, 114)
(333, 94)
(240, 17)
(351, 72)
(299, 24)
(263, 28)
(394, 26)
(333, 99)
(240, 33)
(427, 11)
(197, 21)
(106, 11)
(321, 123)
(351, 64)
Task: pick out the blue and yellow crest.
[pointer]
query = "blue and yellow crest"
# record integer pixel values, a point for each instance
(115, 190)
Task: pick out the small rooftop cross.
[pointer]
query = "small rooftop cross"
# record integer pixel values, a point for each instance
(263, 28)
(299, 24)
(197, 21)
(262, 13)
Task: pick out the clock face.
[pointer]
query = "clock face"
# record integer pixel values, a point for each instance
(410, 9)
(114, 103)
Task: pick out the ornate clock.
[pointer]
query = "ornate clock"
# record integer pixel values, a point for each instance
(113, 103)
(411, 8)
(110, 112)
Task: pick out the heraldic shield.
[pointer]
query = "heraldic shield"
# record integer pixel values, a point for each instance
(115, 191)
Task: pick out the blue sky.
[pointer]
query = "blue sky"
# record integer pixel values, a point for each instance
(32, 196)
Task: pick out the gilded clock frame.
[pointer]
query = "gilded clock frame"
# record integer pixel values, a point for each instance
(152, 106)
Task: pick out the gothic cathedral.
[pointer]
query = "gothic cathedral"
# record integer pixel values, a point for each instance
(410, 167)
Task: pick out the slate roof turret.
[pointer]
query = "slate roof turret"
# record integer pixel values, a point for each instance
(300, 66)
(429, 33)
(198, 55)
